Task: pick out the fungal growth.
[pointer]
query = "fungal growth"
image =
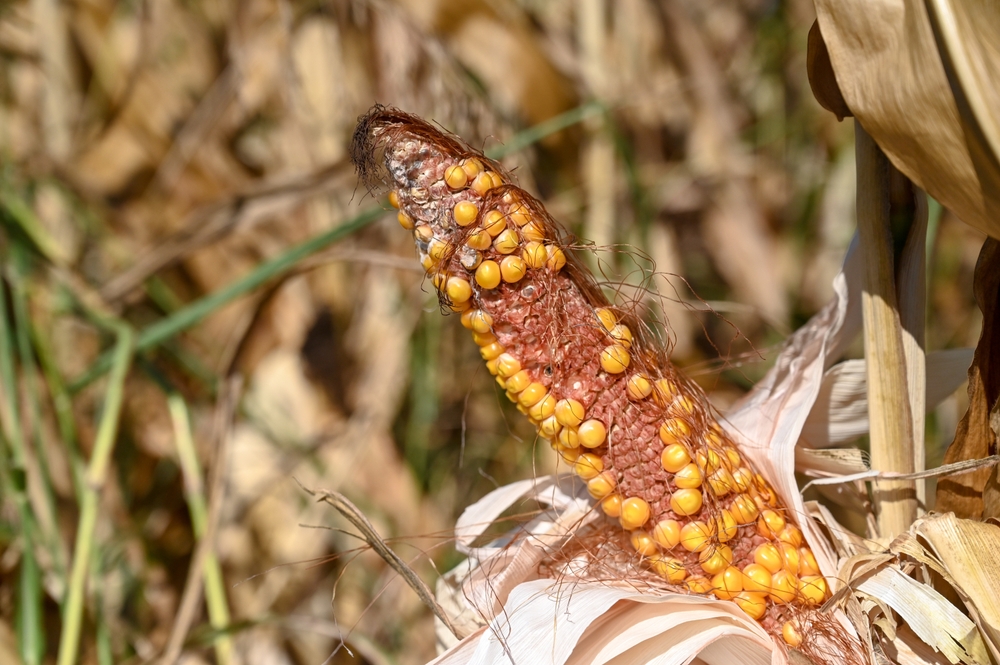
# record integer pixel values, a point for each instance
(610, 404)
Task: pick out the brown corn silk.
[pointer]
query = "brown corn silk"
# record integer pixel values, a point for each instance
(642, 437)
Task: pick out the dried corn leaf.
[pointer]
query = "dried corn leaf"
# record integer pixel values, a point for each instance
(921, 79)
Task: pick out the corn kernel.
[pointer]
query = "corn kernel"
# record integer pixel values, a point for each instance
(756, 578)
(488, 275)
(557, 259)
(728, 583)
(491, 351)
(668, 568)
(768, 556)
(721, 482)
(784, 587)
(592, 433)
(622, 335)
(682, 404)
(686, 502)
(493, 223)
(615, 359)
(472, 168)
(519, 216)
(534, 254)
(639, 387)
(790, 534)
(642, 543)
(601, 485)
(689, 477)
(569, 437)
(534, 233)
(549, 427)
(466, 318)
(807, 562)
(791, 634)
(612, 505)
(532, 395)
(635, 513)
(588, 466)
(458, 290)
(607, 318)
(674, 458)
(479, 240)
(733, 458)
(754, 604)
(743, 478)
(664, 392)
(491, 365)
(404, 220)
(696, 536)
(667, 533)
(518, 382)
(423, 232)
(502, 382)
(543, 409)
(512, 268)
(699, 584)
(674, 430)
(790, 555)
(715, 558)
(569, 412)
(482, 183)
(496, 179)
(483, 338)
(456, 177)
(465, 213)
(480, 321)
(726, 525)
(770, 523)
(813, 589)
(708, 461)
(394, 199)
(744, 509)
(438, 249)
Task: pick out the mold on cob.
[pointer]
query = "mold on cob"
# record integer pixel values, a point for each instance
(643, 438)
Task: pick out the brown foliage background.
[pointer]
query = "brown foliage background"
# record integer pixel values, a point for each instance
(168, 148)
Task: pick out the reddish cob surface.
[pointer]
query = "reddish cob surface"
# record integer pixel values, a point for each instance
(643, 438)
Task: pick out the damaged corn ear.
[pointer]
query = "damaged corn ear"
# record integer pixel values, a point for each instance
(641, 437)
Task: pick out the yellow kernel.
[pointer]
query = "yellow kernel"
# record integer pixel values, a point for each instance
(639, 387)
(512, 268)
(488, 275)
(770, 523)
(465, 213)
(466, 318)
(569, 412)
(727, 526)
(543, 409)
(622, 335)
(557, 259)
(601, 485)
(790, 534)
(790, 556)
(493, 223)
(482, 183)
(768, 556)
(499, 379)
(533, 232)
(664, 391)
(587, 466)
(607, 318)
(394, 199)
(491, 365)
(438, 249)
(635, 513)
(456, 177)
(708, 462)
(807, 562)
(518, 381)
(756, 578)
(743, 478)
(643, 544)
(689, 477)
(404, 220)
(569, 455)
(423, 232)
(549, 427)
(479, 240)
(721, 482)
(483, 338)
(439, 280)
(784, 587)
(520, 216)
(686, 502)
(699, 584)
(791, 634)
(683, 405)
(674, 430)
(674, 458)
(472, 168)
(728, 583)
(744, 509)
(696, 536)
(532, 395)
(534, 254)
(813, 589)
(614, 359)
(491, 351)
(754, 604)
(506, 242)
(715, 558)
(667, 533)
(612, 505)
(496, 179)
(458, 290)
(669, 568)
(734, 458)
(460, 306)
(428, 263)
(569, 437)
(480, 321)
(592, 433)
(507, 365)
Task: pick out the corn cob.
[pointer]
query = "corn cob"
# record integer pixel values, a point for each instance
(642, 437)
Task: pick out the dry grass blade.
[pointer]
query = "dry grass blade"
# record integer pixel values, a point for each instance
(361, 523)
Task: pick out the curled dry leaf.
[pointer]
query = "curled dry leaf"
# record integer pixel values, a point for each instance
(921, 79)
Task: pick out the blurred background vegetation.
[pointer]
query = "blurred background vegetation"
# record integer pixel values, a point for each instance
(175, 171)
